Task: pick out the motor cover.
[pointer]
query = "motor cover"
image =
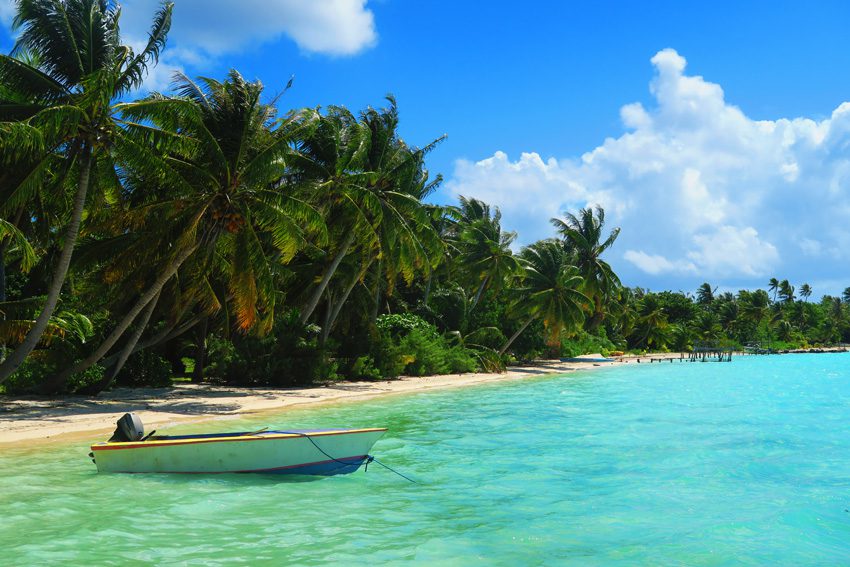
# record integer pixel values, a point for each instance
(129, 428)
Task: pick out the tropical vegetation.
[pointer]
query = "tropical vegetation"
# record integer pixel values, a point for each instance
(210, 234)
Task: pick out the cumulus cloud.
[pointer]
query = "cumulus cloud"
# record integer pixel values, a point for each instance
(215, 27)
(202, 30)
(700, 189)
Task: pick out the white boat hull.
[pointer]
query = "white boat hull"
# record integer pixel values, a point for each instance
(325, 452)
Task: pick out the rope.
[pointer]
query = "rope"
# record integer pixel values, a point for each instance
(392, 470)
(369, 458)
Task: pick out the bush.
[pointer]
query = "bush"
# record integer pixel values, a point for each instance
(85, 378)
(39, 366)
(364, 369)
(585, 343)
(34, 370)
(407, 344)
(460, 361)
(145, 368)
(289, 355)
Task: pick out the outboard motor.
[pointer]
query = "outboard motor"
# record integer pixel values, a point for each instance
(129, 428)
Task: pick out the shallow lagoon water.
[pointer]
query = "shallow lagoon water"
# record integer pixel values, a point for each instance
(679, 463)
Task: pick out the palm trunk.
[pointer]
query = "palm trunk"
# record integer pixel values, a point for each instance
(162, 336)
(8, 366)
(329, 307)
(3, 245)
(598, 315)
(337, 308)
(112, 372)
(326, 278)
(480, 291)
(60, 379)
(376, 306)
(515, 335)
(2, 291)
(428, 286)
(201, 352)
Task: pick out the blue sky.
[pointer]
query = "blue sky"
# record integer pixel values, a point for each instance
(713, 134)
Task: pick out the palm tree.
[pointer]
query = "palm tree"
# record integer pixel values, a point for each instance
(705, 295)
(773, 285)
(62, 101)
(805, 292)
(484, 249)
(550, 290)
(707, 326)
(371, 183)
(652, 325)
(224, 200)
(786, 291)
(583, 239)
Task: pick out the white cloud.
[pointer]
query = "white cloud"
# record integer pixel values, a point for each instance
(7, 11)
(655, 264)
(733, 251)
(810, 246)
(215, 27)
(203, 30)
(700, 189)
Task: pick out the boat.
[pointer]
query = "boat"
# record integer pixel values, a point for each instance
(298, 451)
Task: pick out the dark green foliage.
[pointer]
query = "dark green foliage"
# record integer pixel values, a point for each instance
(29, 375)
(145, 368)
(407, 344)
(584, 342)
(364, 369)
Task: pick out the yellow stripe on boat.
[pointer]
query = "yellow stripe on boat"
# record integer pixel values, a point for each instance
(106, 445)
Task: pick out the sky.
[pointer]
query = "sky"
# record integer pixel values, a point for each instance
(717, 136)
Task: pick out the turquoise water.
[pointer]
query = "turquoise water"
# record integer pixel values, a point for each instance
(696, 464)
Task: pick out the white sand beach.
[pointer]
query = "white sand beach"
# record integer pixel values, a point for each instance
(37, 420)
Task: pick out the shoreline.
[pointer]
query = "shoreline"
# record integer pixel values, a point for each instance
(27, 422)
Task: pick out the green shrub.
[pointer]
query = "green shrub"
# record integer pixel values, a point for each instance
(364, 369)
(407, 344)
(428, 351)
(585, 343)
(145, 368)
(289, 355)
(29, 375)
(86, 378)
(402, 324)
(460, 360)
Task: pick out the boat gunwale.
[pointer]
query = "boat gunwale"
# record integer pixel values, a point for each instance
(112, 446)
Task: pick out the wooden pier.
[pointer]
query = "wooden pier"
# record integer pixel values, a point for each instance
(710, 352)
(701, 352)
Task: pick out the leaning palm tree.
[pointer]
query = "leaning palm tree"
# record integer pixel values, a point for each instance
(550, 290)
(705, 294)
(483, 249)
(371, 183)
(773, 286)
(786, 291)
(59, 99)
(805, 292)
(583, 238)
(225, 203)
